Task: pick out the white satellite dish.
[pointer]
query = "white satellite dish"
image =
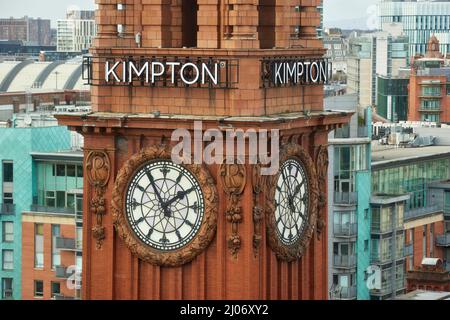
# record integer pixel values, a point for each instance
(27, 120)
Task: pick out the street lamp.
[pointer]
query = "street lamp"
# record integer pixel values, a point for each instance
(56, 74)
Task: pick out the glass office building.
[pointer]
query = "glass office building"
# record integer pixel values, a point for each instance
(411, 177)
(420, 21)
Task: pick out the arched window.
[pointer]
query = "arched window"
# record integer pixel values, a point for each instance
(189, 26)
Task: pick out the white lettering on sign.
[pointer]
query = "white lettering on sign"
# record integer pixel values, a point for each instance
(151, 72)
(300, 72)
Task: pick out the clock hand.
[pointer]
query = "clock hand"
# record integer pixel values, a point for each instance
(167, 212)
(298, 189)
(180, 196)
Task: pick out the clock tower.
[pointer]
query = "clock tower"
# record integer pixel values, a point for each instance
(157, 228)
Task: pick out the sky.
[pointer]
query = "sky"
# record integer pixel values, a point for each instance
(49, 9)
(338, 13)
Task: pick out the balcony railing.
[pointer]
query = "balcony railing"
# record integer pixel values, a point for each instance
(381, 227)
(408, 250)
(400, 283)
(430, 110)
(61, 297)
(422, 212)
(345, 293)
(376, 257)
(8, 294)
(345, 197)
(7, 209)
(342, 133)
(345, 230)
(447, 209)
(443, 240)
(46, 209)
(344, 261)
(363, 132)
(61, 272)
(67, 244)
(386, 288)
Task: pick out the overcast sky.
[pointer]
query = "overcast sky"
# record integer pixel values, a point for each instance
(338, 13)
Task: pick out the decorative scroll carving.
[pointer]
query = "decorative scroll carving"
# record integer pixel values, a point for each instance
(207, 230)
(234, 179)
(297, 250)
(98, 170)
(258, 212)
(322, 171)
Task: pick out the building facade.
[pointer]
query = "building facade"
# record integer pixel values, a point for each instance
(76, 32)
(361, 69)
(429, 90)
(419, 173)
(52, 228)
(392, 96)
(387, 244)
(17, 194)
(420, 20)
(31, 32)
(228, 257)
(373, 59)
(348, 202)
(336, 46)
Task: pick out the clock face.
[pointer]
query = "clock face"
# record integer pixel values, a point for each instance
(291, 202)
(164, 205)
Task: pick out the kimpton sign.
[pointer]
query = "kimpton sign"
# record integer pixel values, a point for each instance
(206, 72)
(170, 71)
(293, 72)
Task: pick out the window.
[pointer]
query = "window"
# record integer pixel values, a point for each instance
(71, 171)
(8, 260)
(56, 288)
(8, 198)
(79, 237)
(60, 170)
(366, 214)
(60, 199)
(8, 231)
(39, 245)
(7, 288)
(56, 253)
(38, 288)
(79, 206)
(8, 175)
(80, 171)
(50, 199)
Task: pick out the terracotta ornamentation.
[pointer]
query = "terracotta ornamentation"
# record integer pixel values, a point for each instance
(296, 251)
(144, 252)
(234, 179)
(322, 172)
(98, 170)
(258, 212)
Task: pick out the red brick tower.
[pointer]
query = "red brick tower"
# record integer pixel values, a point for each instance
(237, 252)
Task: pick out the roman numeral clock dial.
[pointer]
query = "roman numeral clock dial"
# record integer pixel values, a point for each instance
(165, 212)
(294, 204)
(165, 205)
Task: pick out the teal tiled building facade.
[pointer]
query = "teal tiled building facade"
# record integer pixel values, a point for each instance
(16, 177)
